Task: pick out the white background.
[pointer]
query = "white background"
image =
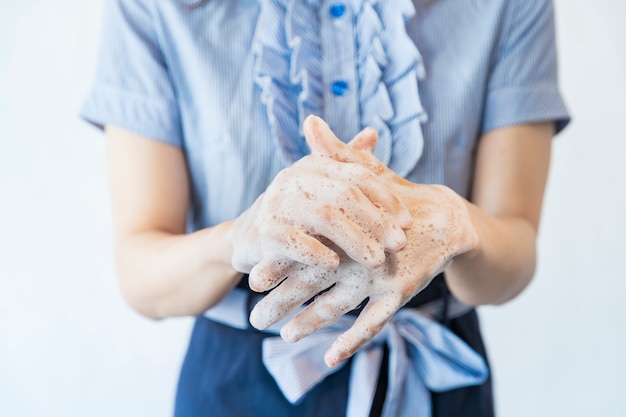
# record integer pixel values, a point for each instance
(70, 347)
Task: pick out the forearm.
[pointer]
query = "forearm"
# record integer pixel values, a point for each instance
(501, 265)
(511, 171)
(163, 274)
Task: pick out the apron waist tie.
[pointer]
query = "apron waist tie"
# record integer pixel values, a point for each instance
(423, 356)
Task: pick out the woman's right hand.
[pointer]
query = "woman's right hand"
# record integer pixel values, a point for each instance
(316, 204)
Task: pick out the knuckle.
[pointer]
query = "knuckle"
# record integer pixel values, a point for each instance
(307, 283)
(325, 311)
(354, 193)
(325, 212)
(358, 172)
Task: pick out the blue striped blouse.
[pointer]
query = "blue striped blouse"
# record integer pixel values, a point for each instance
(229, 81)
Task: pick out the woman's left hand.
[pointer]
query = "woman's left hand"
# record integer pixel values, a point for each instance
(441, 230)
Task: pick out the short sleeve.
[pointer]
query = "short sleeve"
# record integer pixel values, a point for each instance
(132, 89)
(523, 84)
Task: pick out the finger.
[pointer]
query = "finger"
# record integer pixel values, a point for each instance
(323, 141)
(369, 323)
(333, 223)
(359, 226)
(297, 245)
(346, 295)
(365, 140)
(364, 198)
(322, 181)
(270, 272)
(301, 285)
(376, 190)
(321, 138)
(395, 215)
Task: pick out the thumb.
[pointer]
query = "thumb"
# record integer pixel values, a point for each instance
(320, 138)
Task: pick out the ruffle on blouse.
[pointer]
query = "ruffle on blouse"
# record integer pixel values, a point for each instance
(288, 70)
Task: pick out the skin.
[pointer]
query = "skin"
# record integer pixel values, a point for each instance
(317, 199)
(307, 199)
(164, 272)
(441, 231)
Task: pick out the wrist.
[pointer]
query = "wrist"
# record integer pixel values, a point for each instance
(212, 253)
(217, 248)
(475, 241)
(445, 216)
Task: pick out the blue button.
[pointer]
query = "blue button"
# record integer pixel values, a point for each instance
(337, 10)
(339, 87)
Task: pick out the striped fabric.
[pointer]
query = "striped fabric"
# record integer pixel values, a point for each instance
(192, 77)
(424, 356)
(361, 54)
(188, 76)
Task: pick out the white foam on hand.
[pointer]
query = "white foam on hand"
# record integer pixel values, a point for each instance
(316, 203)
(440, 229)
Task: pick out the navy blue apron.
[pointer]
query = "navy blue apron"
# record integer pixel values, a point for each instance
(223, 375)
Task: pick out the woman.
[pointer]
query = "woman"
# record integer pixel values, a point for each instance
(203, 106)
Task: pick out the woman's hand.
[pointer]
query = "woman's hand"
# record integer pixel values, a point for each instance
(311, 212)
(441, 229)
